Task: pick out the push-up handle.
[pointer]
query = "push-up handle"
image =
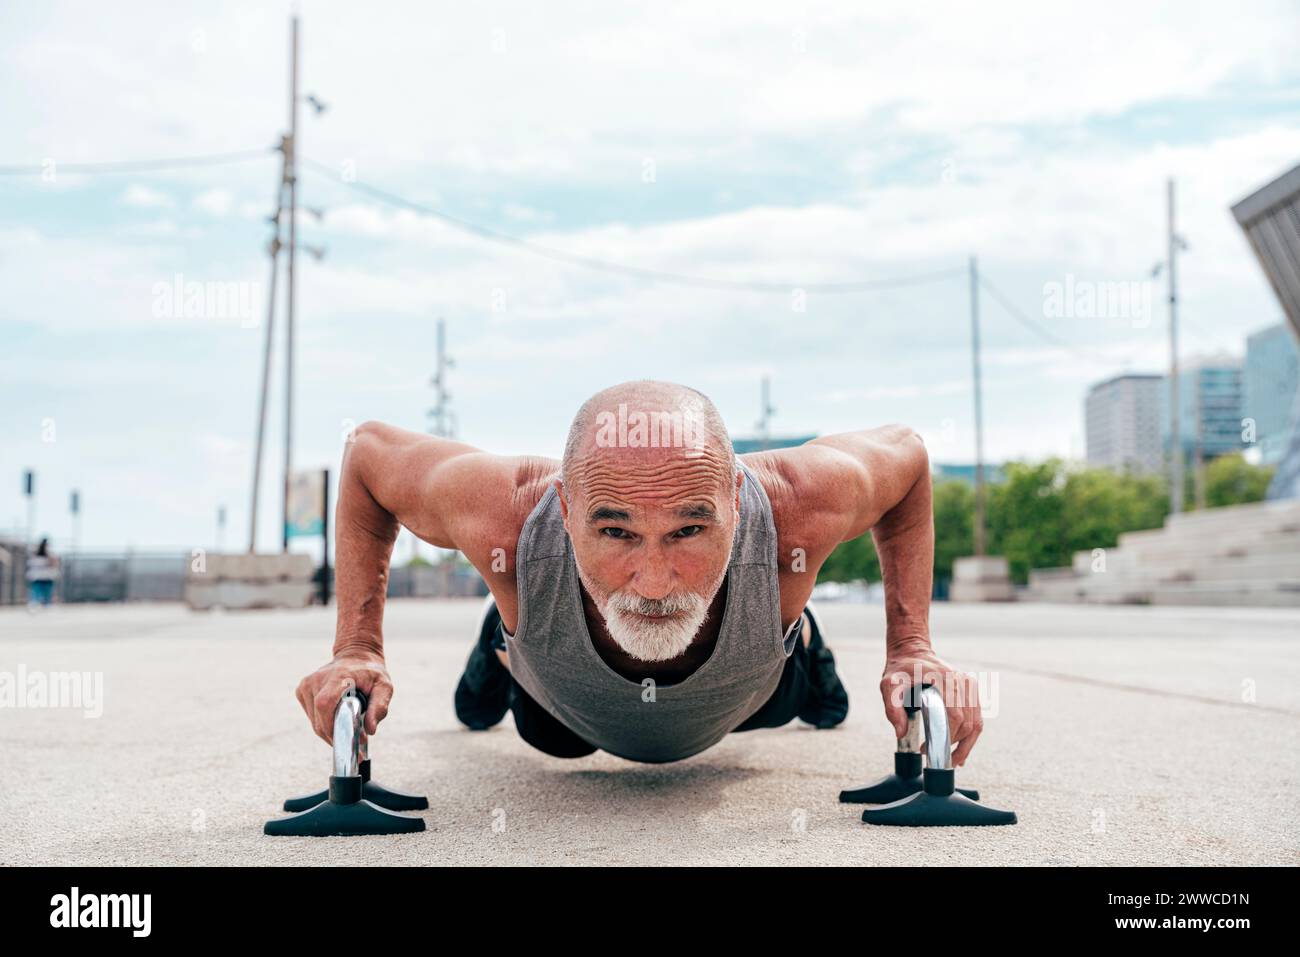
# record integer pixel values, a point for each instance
(348, 734)
(937, 804)
(372, 791)
(906, 779)
(934, 716)
(345, 808)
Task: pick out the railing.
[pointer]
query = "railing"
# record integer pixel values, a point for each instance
(159, 575)
(100, 576)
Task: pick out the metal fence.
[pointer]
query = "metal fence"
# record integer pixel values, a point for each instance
(147, 575)
(131, 576)
(160, 576)
(443, 580)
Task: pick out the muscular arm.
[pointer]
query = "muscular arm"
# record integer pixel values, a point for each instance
(887, 491)
(387, 480)
(448, 494)
(879, 480)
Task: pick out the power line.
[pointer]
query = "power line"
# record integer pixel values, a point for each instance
(637, 272)
(140, 166)
(1036, 328)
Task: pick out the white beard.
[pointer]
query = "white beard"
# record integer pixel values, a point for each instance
(652, 639)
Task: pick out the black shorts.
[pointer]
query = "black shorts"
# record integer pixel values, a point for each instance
(544, 731)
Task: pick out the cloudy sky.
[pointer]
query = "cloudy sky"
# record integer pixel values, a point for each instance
(780, 145)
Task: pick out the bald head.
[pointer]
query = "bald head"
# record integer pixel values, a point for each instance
(643, 424)
(651, 504)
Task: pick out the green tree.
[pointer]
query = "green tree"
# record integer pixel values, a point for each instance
(1100, 505)
(854, 560)
(1231, 480)
(1026, 516)
(1045, 512)
(954, 510)
(1041, 514)
(954, 525)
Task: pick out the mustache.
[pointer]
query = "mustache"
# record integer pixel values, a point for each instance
(654, 607)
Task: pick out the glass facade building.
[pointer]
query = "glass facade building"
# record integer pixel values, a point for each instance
(1211, 405)
(1271, 380)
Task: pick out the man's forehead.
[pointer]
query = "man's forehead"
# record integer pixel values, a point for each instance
(623, 486)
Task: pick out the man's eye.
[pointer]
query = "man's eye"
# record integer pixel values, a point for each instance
(614, 532)
(689, 531)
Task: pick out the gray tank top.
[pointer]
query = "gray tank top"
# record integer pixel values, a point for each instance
(553, 659)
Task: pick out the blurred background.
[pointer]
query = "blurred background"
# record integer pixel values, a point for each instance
(1054, 241)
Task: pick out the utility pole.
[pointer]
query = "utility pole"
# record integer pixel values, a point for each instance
(979, 406)
(274, 250)
(444, 424)
(442, 420)
(291, 174)
(765, 414)
(1175, 438)
(1198, 459)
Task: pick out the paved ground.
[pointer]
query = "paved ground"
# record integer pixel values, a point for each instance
(1120, 737)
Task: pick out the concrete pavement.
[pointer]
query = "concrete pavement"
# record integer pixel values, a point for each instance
(1120, 736)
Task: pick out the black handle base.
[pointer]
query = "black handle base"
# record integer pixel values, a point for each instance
(345, 809)
(904, 782)
(937, 805)
(330, 819)
(371, 791)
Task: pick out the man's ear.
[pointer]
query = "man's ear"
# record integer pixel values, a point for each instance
(564, 503)
(740, 481)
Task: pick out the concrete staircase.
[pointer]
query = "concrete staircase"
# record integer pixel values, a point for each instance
(1239, 555)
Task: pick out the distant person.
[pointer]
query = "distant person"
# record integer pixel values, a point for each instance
(648, 596)
(42, 572)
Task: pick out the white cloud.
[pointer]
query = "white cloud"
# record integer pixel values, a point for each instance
(137, 194)
(520, 213)
(214, 202)
(606, 83)
(850, 141)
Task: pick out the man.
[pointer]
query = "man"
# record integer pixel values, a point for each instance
(649, 593)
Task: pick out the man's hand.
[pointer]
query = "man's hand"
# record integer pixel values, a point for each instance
(914, 662)
(320, 691)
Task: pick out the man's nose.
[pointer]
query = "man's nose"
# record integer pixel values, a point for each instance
(653, 578)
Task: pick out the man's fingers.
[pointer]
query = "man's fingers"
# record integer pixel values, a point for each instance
(957, 722)
(892, 692)
(973, 725)
(968, 742)
(308, 702)
(322, 717)
(324, 731)
(380, 695)
(326, 703)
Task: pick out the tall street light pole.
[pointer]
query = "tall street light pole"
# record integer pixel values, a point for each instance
(979, 406)
(291, 166)
(1175, 438)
